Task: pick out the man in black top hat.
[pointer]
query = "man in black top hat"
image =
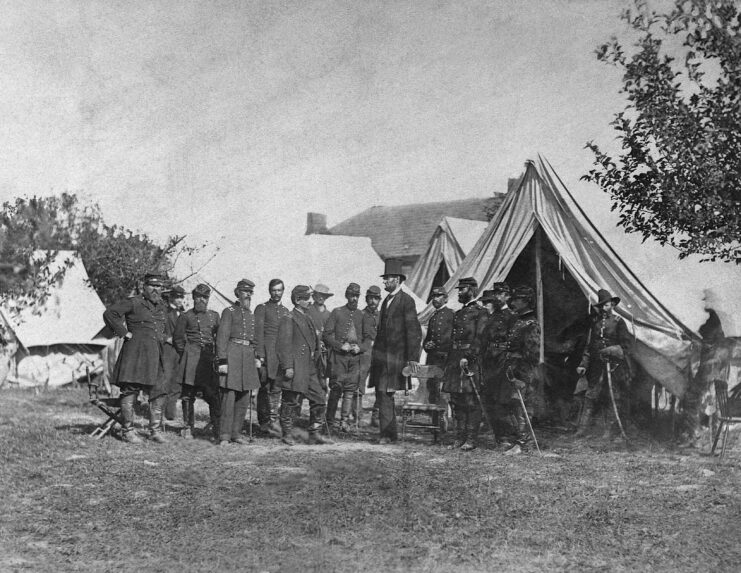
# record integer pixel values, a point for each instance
(195, 341)
(462, 368)
(346, 338)
(398, 343)
(608, 345)
(141, 322)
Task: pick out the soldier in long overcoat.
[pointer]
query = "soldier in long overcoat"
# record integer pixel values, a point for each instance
(608, 346)
(238, 365)
(297, 348)
(140, 321)
(462, 368)
(267, 318)
(438, 339)
(347, 337)
(195, 341)
(398, 343)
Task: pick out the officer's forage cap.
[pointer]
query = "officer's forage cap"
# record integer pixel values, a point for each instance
(323, 290)
(489, 296)
(501, 287)
(373, 291)
(301, 292)
(394, 267)
(523, 292)
(352, 288)
(604, 296)
(154, 279)
(176, 291)
(468, 282)
(202, 290)
(437, 291)
(245, 285)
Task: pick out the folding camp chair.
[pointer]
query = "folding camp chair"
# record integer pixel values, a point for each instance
(422, 414)
(109, 406)
(729, 412)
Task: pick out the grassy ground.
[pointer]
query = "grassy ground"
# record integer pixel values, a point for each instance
(71, 503)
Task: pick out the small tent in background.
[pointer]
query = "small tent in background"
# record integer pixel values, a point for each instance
(57, 341)
(542, 238)
(450, 243)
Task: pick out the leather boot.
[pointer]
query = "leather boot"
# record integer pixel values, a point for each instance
(286, 424)
(127, 413)
(189, 419)
(374, 418)
(332, 403)
(274, 404)
(155, 420)
(585, 419)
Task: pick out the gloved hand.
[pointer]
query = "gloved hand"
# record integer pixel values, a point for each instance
(464, 363)
(345, 347)
(355, 349)
(258, 363)
(223, 369)
(289, 373)
(581, 370)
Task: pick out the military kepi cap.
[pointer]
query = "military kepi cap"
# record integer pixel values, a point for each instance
(323, 290)
(500, 287)
(154, 279)
(301, 291)
(489, 296)
(176, 291)
(467, 282)
(523, 292)
(604, 296)
(352, 288)
(245, 285)
(373, 291)
(202, 290)
(437, 291)
(394, 267)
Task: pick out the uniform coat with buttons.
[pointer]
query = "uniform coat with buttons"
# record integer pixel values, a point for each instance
(268, 316)
(236, 342)
(296, 347)
(439, 333)
(468, 324)
(494, 347)
(171, 357)
(141, 358)
(398, 341)
(370, 325)
(194, 339)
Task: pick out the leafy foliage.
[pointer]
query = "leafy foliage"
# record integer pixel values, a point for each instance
(678, 177)
(115, 257)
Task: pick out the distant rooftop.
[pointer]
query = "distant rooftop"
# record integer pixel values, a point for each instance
(405, 230)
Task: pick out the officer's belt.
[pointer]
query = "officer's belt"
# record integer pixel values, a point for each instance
(499, 345)
(513, 355)
(461, 346)
(202, 345)
(241, 341)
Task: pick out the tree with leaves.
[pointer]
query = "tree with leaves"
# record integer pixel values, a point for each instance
(678, 176)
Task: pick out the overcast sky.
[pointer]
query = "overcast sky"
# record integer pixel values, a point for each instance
(231, 120)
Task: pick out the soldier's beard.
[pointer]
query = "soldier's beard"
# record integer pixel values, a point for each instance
(352, 305)
(464, 297)
(200, 306)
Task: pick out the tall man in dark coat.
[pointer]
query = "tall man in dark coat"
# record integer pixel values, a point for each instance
(496, 390)
(175, 298)
(140, 321)
(462, 368)
(195, 341)
(608, 345)
(438, 340)
(238, 365)
(398, 343)
(347, 338)
(267, 318)
(297, 349)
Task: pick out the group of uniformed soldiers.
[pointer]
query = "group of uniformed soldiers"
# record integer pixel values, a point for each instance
(488, 351)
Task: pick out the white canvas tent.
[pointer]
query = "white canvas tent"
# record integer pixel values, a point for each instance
(450, 243)
(57, 341)
(332, 260)
(540, 236)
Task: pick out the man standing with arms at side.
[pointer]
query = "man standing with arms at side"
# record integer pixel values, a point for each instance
(175, 306)
(370, 320)
(140, 321)
(238, 366)
(267, 318)
(438, 340)
(346, 339)
(398, 343)
(195, 341)
(462, 369)
(297, 346)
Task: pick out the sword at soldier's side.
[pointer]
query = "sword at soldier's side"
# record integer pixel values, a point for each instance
(612, 399)
(512, 378)
(469, 374)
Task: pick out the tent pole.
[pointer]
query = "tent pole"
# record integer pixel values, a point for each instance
(539, 288)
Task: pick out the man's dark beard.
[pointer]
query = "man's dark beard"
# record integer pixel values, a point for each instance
(200, 306)
(464, 297)
(352, 305)
(154, 296)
